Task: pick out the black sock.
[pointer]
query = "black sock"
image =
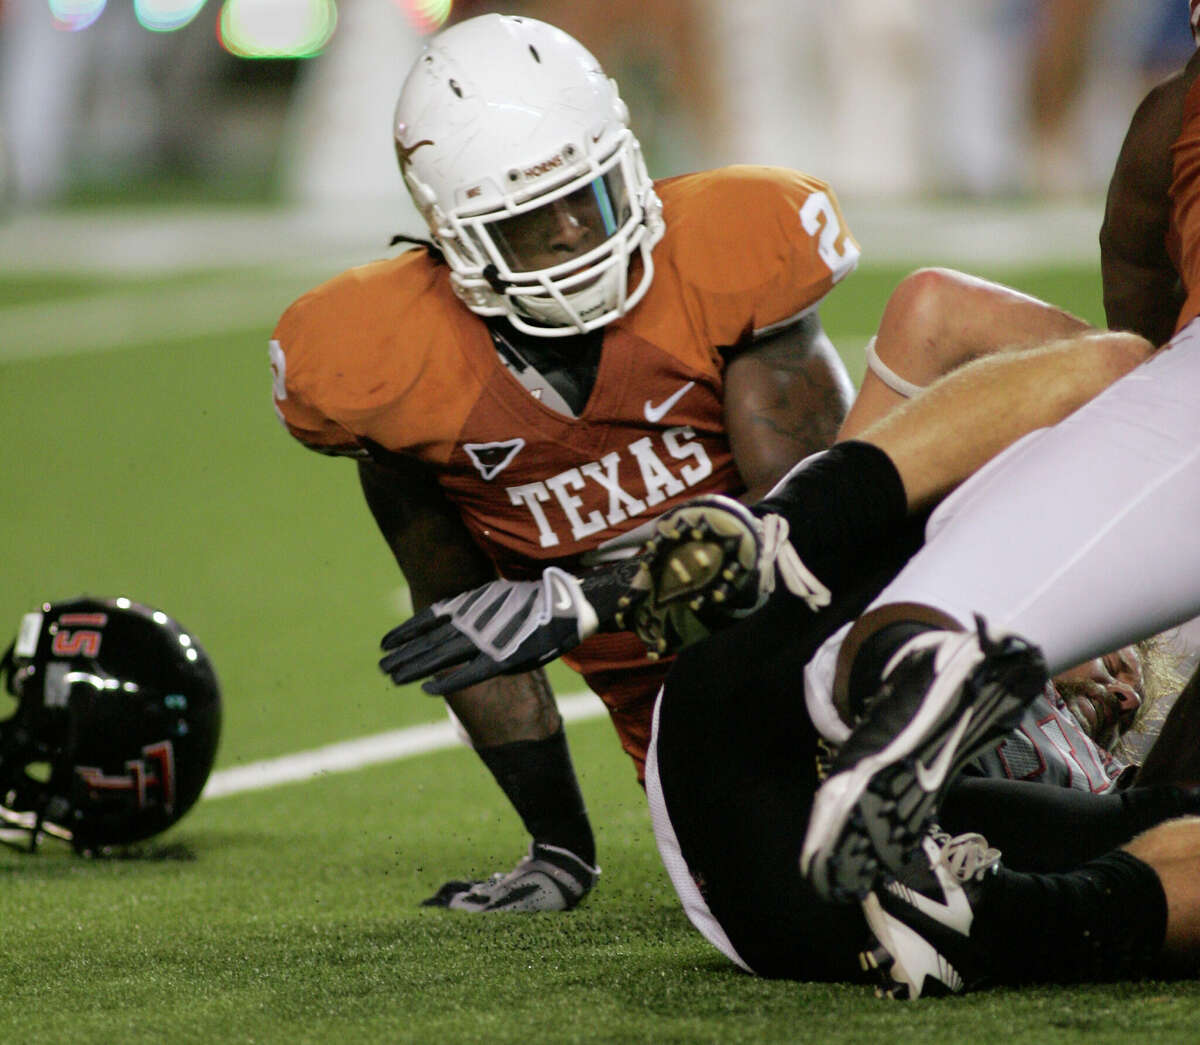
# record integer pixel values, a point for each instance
(1043, 828)
(840, 507)
(1104, 921)
(539, 780)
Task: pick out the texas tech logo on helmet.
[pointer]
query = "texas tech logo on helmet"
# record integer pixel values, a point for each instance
(150, 779)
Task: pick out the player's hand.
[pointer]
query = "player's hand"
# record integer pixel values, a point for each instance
(497, 629)
(710, 562)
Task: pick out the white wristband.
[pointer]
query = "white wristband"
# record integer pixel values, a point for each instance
(887, 375)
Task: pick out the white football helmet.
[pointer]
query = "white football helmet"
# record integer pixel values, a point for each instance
(517, 151)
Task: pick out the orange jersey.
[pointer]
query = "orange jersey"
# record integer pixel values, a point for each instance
(386, 354)
(1183, 234)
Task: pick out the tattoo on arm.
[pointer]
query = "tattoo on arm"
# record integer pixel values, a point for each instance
(808, 406)
(786, 397)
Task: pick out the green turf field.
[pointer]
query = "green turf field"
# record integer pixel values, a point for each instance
(142, 457)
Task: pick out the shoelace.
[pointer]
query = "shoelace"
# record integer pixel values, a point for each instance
(797, 578)
(966, 856)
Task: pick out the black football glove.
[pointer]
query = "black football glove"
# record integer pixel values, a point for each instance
(501, 628)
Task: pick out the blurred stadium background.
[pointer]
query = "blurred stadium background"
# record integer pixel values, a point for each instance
(172, 174)
(290, 100)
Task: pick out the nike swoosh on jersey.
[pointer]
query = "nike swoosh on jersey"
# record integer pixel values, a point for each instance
(654, 414)
(930, 777)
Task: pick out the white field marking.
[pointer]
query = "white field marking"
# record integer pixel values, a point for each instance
(157, 240)
(284, 252)
(365, 751)
(128, 318)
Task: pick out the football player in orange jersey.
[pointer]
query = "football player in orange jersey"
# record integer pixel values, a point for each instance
(578, 350)
(1150, 261)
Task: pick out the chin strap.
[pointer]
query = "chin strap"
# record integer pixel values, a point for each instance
(435, 251)
(492, 275)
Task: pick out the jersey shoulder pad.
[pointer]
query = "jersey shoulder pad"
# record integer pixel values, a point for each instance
(758, 245)
(357, 345)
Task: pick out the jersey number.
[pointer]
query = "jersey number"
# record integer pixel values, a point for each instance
(818, 216)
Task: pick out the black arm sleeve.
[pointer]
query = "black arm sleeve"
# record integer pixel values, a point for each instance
(841, 507)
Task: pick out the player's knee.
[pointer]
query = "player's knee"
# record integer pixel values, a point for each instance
(916, 321)
(919, 300)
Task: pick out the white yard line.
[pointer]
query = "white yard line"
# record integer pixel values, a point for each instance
(277, 255)
(365, 751)
(157, 240)
(128, 318)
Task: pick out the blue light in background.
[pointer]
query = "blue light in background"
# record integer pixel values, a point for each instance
(74, 15)
(163, 16)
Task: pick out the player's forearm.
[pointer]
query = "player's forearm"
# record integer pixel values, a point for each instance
(960, 423)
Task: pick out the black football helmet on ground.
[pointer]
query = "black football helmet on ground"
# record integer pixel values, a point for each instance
(116, 726)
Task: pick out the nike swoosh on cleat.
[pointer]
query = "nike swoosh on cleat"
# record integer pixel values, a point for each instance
(954, 911)
(654, 414)
(930, 777)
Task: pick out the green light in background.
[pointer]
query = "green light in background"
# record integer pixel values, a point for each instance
(73, 15)
(276, 28)
(163, 16)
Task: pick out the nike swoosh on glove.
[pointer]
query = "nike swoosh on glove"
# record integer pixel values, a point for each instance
(500, 628)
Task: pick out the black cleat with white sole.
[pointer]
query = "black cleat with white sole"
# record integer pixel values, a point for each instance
(710, 562)
(945, 697)
(921, 919)
(699, 570)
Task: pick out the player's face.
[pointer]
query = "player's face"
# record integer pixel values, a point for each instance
(563, 229)
(1104, 694)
